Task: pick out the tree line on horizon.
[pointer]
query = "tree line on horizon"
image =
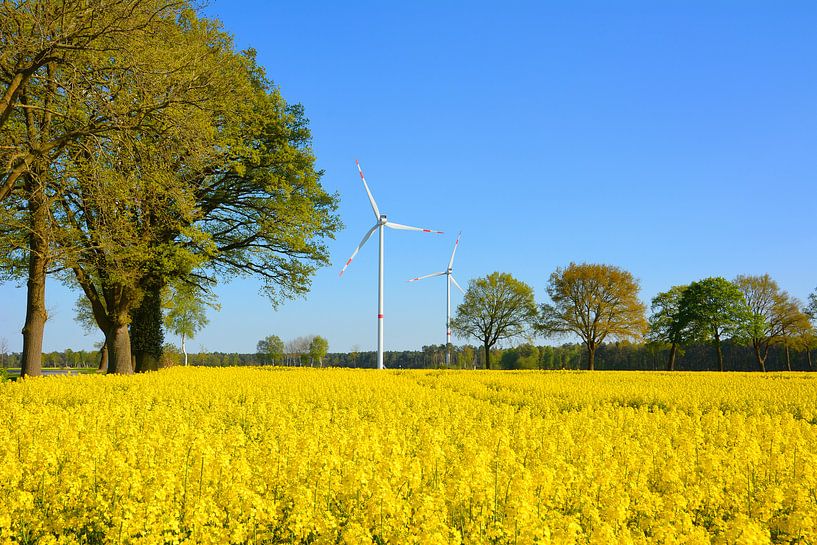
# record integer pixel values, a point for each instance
(617, 356)
(599, 303)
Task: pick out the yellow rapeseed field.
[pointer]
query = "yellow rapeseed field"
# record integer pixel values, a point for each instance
(356, 456)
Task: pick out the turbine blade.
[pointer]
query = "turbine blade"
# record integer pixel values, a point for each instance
(426, 276)
(359, 246)
(455, 283)
(369, 193)
(456, 243)
(410, 228)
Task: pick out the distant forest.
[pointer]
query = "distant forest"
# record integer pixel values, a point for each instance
(612, 356)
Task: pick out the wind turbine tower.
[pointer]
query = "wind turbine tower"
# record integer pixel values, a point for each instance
(382, 223)
(449, 273)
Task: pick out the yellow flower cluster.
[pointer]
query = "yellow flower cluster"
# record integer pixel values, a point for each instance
(402, 457)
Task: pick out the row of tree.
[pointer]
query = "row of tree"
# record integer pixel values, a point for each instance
(599, 303)
(609, 356)
(141, 155)
(300, 351)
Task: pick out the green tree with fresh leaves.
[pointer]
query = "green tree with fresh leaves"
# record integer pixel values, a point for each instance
(596, 302)
(494, 308)
(318, 347)
(775, 317)
(58, 67)
(665, 325)
(714, 309)
(524, 356)
(185, 307)
(271, 348)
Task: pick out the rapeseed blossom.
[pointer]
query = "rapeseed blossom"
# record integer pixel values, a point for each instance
(270, 455)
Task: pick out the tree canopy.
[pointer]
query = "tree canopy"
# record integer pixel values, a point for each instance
(595, 302)
(495, 308)
(665, 324)
(713, 309)
(271, 348)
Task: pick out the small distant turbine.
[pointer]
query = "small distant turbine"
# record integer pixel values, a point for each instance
(381, 222)
(449, 273)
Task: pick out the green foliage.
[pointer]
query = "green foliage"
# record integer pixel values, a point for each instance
(811, 308)
(665, 321)
(318, 347)
(271, 349)
(714, 308)
(525, 356)
(264, 211)
(495, 308)
(595, 302)
(185, 307)
(147, 335)
(171, 356)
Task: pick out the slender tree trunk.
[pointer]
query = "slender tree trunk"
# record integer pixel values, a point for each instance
(103, 358)
(761, 361)
(591, 355)
(119, 358)
(487, 356)
(808, 357)
(36, 315)
(671, 362)
(788, 358)
(720, 352)
(184, 348)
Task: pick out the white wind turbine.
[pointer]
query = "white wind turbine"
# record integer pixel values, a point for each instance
(449, 272)
(381, 223)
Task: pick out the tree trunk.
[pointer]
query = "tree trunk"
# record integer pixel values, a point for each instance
(103, 358)
(761, 361)
(36, 315)
(671, 362)
(184, 349)
(487, 356)
(119, 358)
(720, 352)
(147, 335)
(788, 358)
(808, 357)
(591, 358)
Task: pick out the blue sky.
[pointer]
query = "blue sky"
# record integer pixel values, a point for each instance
(677, 140)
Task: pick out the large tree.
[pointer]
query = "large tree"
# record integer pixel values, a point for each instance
(665, 321)
(129, 199)
(596, 302)
(495, 308)
(714, 309)
(61, 65)
(55, 55)
(775, 318)
(259, 206)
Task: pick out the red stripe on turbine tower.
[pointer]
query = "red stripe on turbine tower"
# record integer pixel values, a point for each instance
(379, 316)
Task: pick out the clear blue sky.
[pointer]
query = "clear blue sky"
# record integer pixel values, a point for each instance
(675, 139)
